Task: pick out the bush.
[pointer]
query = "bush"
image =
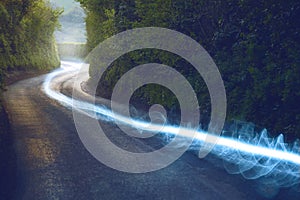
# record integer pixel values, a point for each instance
(255, 44)
(26, 35)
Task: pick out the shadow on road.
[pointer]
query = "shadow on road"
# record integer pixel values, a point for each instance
(7, 159)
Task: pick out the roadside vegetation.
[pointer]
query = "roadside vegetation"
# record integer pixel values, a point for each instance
(255, 44)
(26, 36)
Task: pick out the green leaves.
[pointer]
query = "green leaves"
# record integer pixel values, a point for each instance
(256, 45)
(26, 35)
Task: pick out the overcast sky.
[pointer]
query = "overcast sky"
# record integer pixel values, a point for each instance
(66, 4)
(70, 31)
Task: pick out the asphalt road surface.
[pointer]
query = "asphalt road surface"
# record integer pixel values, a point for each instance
(52, 163)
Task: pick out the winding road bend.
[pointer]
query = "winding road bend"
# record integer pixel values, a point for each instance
(52, 163)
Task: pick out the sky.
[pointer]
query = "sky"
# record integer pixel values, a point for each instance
(71, 31)
(66, 4)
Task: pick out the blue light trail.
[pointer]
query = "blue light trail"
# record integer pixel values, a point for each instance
(272, 160)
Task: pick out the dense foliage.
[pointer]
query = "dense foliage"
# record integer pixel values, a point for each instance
(26, 35)
(256, 45)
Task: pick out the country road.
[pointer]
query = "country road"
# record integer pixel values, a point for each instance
(52, 163)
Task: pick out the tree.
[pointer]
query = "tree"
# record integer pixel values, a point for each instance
(26, 35)
(256, 45)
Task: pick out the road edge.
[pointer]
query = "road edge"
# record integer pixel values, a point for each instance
(8, 164)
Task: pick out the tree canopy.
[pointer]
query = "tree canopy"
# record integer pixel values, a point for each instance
(256, 45)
